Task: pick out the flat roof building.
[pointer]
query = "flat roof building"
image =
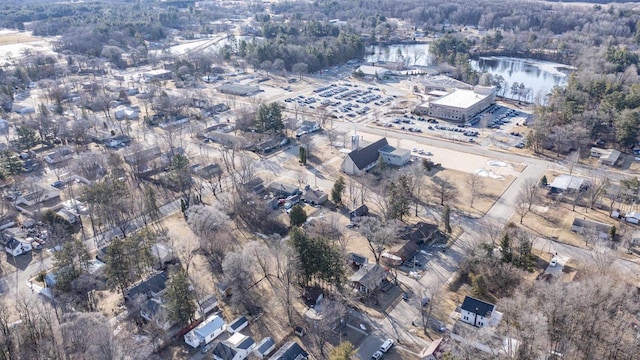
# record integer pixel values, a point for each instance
(460, 104)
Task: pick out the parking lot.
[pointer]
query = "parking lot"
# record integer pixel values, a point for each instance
(342, 100)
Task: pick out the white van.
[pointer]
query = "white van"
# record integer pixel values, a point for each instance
(386, 345)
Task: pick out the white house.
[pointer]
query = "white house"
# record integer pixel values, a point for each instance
(476, 312)
(15, 247)
(39, 194)
(632, 217)
(59, 155)
(237, 347)
(205, 332)
(308, 127)
(606, 156)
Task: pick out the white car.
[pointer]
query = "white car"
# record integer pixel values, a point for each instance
(553, 262)
(377, 355)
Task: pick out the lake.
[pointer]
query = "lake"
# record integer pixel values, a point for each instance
(539, 76)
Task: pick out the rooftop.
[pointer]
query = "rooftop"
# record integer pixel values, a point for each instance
(564, 182)
(367, 155)
(264, 345)
(480, 307)
(460, 98)
(209, 326)
(368, 275)
(238, 322)
(394, 151)
(290, 351)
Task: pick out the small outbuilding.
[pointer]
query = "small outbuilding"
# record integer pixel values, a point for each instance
(237, 325)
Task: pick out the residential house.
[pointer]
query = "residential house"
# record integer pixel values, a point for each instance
(237, 347)
(360, 211)
(283, 190)
(316, 197)
(155, 311)
(421, 232)
(58, 155)
(125, 112)
(206, 172)
(15, 247)
(151, 287)
(237, 325)
(269, 145)
(568, 183)
(68, 215)
(312, 295)
(584, 226)
(606, 156)
(395, 156)
(363, 159)
(255, 185)
(143, 156)
(632, 217)
(39, 194)
(307, 127)
(368, 278)
(206, 332)
(405, 252)
(264, 347)
(290, 351)
(476, 312)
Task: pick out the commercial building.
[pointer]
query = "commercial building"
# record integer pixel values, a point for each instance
(459, 105)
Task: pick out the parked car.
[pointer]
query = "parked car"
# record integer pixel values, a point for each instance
(553, 262)
(386, 345)
(377, 355)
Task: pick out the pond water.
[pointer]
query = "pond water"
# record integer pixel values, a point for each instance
(538, 76)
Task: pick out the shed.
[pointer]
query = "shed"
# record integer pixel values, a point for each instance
(209, 304)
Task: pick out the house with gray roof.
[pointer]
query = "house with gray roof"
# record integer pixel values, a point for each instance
(264, 347)
(476, 312)
(290, 351)
(368, 278)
